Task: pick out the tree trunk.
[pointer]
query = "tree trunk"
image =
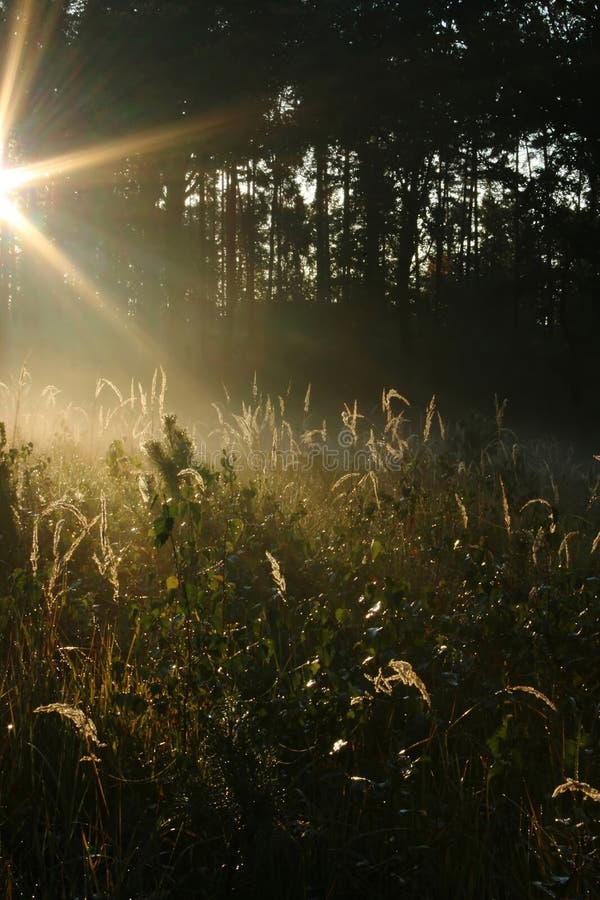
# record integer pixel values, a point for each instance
(231, 279)
(273, 231)
(175, 183)
(345, 250)
(212, 256)
(407, 239)
(372, 191)
(322, 225)
(439, 236)
(250, 235)
(472, 200)
(464, 223)
(223, 242)
(516, 242)
(201, 293)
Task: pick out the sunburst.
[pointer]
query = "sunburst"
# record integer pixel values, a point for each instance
(11, 181)
(99, 160)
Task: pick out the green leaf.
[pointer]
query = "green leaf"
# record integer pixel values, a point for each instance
(163, 526)
(236, 527)
(376, 549)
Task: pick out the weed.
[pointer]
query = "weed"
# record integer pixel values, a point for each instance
(302, 665)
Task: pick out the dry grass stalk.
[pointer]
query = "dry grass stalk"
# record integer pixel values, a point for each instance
(309, 438)
(563, 549)
(293, 446)
(61, 562)
(393, 422)
(500, 411)
(161, 394)
(343, 479)
(35, 548)
(595, 543)
(463, 511)
(106, 382)
(277, 576)
(371, 478)
(527, 689)
(429, 414)
(388, 396)
(108, 565)
(442, 426)
(538, 544)
(505, 508)
(307, 399)
(83, 724)
(540, 500)
(143, 399)
(571, 786)
(350, 418)
(403, 673)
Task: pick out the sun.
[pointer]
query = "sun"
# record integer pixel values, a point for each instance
(11, 180)
(20, 175)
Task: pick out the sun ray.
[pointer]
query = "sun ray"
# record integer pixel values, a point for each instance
(99, 301)
(142, 143)
(20, 67)
(19, 29)
(29, 34)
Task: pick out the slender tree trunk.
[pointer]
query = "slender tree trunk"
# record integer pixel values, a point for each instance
(273, 231)
(175, 182)
(231, 279)
(463, 216)
(345, 251)
(549, 300)
(223, 242)
(371, 185)
(322, 224)
(407, 238)
(448, 236)
(439, 235)
(279, 255)
(472, 191)
(202, 231)
(212, 256)
(250, 240)
(516, 241)
(201, 295)
(477, 262)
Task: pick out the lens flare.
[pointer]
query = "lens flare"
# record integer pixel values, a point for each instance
(11, 180)
(44, 175)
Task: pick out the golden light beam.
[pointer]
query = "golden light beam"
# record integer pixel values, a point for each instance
(97, 156)
(17, 76)
(19, 71)
(19, 29)
(61, 264)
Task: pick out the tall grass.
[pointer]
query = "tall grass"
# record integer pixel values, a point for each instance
(291, 658)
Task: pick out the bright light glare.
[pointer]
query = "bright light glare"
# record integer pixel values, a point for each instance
(101, 161)
(10, 182)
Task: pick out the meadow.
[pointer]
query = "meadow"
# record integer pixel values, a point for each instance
(288, 658)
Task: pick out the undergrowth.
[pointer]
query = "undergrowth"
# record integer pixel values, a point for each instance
(294, 659)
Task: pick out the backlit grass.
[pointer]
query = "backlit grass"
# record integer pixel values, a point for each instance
(287, 658)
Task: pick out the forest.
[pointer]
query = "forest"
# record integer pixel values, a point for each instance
(299, 449)
(246, 181)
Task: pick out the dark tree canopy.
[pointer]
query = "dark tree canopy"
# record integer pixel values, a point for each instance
(407, 169)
